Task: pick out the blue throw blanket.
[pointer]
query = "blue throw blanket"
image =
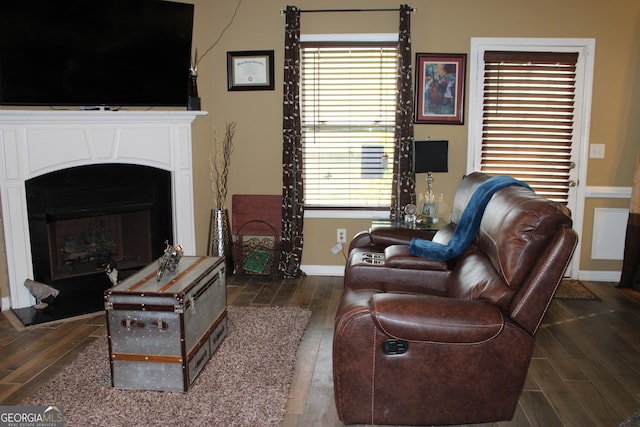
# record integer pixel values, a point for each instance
(469, 223)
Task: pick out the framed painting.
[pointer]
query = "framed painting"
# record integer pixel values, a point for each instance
(439, 96)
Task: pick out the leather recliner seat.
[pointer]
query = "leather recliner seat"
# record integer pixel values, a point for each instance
(420, 342)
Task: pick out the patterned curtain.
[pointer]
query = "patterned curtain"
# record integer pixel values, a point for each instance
(292, 185)
(404, 177)
(631, 264)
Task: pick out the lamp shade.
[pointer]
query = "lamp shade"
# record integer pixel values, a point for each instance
(431, 156)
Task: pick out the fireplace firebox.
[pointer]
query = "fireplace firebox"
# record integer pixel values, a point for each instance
(83, 219)
(86, 245)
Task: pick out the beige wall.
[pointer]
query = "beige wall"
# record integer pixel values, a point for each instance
(436, 27)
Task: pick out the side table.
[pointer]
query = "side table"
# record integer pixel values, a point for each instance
(424, 230)
(428, 225)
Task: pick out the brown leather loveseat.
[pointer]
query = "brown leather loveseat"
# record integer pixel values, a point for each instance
(420, 341)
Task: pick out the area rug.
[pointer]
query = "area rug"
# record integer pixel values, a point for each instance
(573, 289)
(246, 382)
(632, 421)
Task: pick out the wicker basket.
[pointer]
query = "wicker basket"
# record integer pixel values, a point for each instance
(257, 254)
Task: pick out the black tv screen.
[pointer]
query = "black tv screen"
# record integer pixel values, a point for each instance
(95, 52)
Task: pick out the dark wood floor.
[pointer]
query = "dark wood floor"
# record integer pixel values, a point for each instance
(585, 371)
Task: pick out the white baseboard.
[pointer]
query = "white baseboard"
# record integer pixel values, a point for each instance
(6, 303)
(600, 276)
(323, 270)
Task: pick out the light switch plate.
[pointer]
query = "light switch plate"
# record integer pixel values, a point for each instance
(596, 151)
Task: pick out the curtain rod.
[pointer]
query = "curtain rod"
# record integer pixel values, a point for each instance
(282, 12)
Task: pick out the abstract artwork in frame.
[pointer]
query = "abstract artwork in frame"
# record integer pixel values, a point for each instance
(439, 96)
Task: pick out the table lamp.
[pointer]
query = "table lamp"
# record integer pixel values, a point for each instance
(430, 156)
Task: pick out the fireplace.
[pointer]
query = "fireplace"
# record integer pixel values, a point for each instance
(87, 218)
(115, 174)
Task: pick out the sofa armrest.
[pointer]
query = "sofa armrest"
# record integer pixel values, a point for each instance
(398, 256)
(429, 318)
(361, 240)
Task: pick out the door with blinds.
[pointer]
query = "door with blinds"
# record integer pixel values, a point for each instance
(529, 115)
(528, 120)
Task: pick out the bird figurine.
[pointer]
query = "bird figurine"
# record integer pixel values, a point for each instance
(40, 291)
(112, 273)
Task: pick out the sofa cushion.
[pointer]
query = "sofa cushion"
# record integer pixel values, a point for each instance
(463, 194)
(516, 228)
(474, 277)
(469, 224)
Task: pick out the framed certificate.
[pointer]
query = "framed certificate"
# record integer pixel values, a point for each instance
(250, 70)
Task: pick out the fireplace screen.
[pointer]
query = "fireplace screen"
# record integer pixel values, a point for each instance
(82, 246)
(84, 218)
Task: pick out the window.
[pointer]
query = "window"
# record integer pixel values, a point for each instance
(528, 117)
(348, 102)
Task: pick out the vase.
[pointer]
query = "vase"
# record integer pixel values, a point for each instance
(220, 237)
(193, 100)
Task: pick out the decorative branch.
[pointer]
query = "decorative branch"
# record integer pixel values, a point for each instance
(219, 161)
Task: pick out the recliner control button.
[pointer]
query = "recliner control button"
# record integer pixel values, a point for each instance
(395, 347)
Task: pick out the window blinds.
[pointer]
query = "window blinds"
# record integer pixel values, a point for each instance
(528, 118)
(348, 102)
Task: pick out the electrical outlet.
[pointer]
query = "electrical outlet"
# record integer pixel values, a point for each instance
(341, 235)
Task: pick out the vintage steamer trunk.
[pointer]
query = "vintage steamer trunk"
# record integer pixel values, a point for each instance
(162, 333)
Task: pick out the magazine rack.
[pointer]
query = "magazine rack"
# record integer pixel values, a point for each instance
(257, 227)
(257, 253)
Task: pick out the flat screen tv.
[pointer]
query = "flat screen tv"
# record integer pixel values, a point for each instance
(94, 53)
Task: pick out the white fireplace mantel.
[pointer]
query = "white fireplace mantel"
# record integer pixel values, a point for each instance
(35, 142)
